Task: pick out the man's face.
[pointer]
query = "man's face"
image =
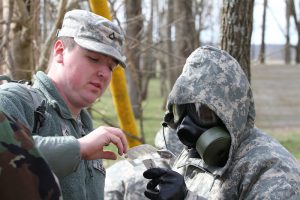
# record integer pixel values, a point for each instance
(84, 76)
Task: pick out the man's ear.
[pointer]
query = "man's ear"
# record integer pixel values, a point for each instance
(58, 51)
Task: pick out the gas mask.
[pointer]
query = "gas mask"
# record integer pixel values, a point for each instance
(198, 127)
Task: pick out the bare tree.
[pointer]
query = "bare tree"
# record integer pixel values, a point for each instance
(262, 48)
(134, 33)
(297, 24)
(18, 49)
(166, 60)
(7, 7)
(186, 38)
(24, 28)
(236, 31)
(287, 56)
(1, 34)
(63, 7)
(148, 61)
(203, 16)
(43, 61)
(171, 74)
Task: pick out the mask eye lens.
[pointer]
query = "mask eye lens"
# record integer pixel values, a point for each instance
(199, 114)
(174, 115)
(179, 111)
(203, 115)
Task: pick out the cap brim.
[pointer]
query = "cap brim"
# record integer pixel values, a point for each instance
(101, 48)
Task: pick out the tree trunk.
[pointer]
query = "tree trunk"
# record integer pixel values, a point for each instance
(1, 53)
(287, 52)
(262, 48)
(298, 51)
(148, 65)
(134, 32)
(186, 36)
(165, 60)
(297, 24)
(236, 31)
(7, 9)
(21, 40)
(171, 72)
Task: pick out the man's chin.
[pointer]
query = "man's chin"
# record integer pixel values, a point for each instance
(89, 100)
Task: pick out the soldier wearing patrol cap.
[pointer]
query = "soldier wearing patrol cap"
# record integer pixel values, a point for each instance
(87, 49)
(211, 107)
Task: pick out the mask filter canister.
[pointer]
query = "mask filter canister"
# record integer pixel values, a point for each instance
(213, 146)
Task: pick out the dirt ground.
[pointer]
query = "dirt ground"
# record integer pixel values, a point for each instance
(276, 89)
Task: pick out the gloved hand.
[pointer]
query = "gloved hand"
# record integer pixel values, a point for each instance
(171, 184)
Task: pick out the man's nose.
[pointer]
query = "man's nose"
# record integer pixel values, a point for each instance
(104, 72)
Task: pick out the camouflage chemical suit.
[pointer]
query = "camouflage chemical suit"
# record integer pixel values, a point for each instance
(24, 174)
(84, 177)
(258, 167)
(123, 181)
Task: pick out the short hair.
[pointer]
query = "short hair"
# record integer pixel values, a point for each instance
(68, 42)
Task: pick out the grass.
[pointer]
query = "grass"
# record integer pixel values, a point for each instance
(153, 115)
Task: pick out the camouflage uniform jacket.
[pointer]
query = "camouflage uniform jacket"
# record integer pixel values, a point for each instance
(124, 181)
(24, 174)
(79, 179)
(258, 166)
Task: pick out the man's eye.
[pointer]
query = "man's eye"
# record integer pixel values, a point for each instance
(93, 59)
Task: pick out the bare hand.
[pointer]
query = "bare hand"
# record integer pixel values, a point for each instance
(91, 145)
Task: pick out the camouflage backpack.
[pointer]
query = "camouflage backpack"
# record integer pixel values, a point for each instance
(24, 174)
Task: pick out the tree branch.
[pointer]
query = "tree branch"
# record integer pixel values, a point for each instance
(7, 21)
(46, 46)
(24, 17)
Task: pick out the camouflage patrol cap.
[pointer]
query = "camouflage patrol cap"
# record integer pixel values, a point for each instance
(95, 33)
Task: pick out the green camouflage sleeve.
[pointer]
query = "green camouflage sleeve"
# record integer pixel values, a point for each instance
(22, 168)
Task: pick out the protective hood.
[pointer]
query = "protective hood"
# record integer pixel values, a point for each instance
(212, 77)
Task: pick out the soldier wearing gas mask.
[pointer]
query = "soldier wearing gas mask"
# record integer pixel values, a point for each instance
(211, 108)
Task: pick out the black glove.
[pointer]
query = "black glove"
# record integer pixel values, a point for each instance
(171, 184)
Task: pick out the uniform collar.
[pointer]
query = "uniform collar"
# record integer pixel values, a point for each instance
(44, 84)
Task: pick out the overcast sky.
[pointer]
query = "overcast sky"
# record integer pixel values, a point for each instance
(275, 23)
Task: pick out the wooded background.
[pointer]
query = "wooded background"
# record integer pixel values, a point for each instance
(160, 34)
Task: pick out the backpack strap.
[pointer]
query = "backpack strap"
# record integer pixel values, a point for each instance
(39, 106)
(39, 117)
